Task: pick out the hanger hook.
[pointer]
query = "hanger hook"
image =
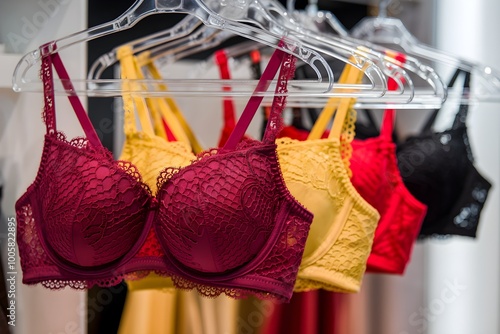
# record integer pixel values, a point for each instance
(382, 8)
(311, 8)
(290, 6)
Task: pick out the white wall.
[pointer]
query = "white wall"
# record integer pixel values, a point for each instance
(470, 29)
(21, 133)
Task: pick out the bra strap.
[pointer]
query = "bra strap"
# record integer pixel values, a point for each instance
(254, 101)
(432, 118)
(328, 111)
(49, 105)
(228, 103)
(49, 115)
(275, 121)
(255, 66)
(387, 129)
(463, 110)
(337, 106)
(129, 71)
(170, 111)
(345, 105)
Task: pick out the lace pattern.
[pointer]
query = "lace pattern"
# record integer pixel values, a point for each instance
(431, 167)
(46, 76)
(228, 218)
(275, 122)
(346, 138)
(325, 189)
(345, 261)
(377, 179)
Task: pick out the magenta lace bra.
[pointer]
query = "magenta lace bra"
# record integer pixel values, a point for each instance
(224, 224)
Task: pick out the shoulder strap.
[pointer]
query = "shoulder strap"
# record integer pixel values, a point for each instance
(275, 121)
(463, 110)
(170, 111)
(255, 58)
(254, 101)
(338, 106)
(133, 102)
(387, 128)
(49, 101)
(227, 104)
(49, 113)
(312, 113)
(161, 128)
(345, 104)
(432, 118)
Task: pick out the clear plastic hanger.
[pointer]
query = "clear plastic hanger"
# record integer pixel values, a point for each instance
(432, 96)
(183, 28)
(173, 51)
(203, 39)
(391, 31)
(206, 38)
(245, 18)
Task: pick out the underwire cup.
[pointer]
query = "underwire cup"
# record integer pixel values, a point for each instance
(317, 173)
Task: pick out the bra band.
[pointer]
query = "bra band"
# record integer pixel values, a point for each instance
(463, 109)
(49, 104)
(254, 101)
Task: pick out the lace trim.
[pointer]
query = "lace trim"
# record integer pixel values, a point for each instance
(133, 172)
(82, 285)
(82, 143)
(48, 115)
(169, 172)
(346, 138)
(214, 292)
(337, 169)
(275, 123)
(179, 283)
(58, 285)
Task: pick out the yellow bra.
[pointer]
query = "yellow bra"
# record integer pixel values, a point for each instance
(147, 311)
(316, 172)
(148, 149)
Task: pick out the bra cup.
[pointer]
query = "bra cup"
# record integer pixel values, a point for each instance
(371, 158)
(466, 211)
(315, 188)
(81, 219)
(376, 177)
(217, 214)
(435, 167)
(344, 241)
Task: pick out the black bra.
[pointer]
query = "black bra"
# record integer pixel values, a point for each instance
(438, 169)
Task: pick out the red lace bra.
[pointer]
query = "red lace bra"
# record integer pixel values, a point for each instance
(224, 224)
(377, 178)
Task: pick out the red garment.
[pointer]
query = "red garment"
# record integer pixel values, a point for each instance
(377, 178)
(219, 225)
